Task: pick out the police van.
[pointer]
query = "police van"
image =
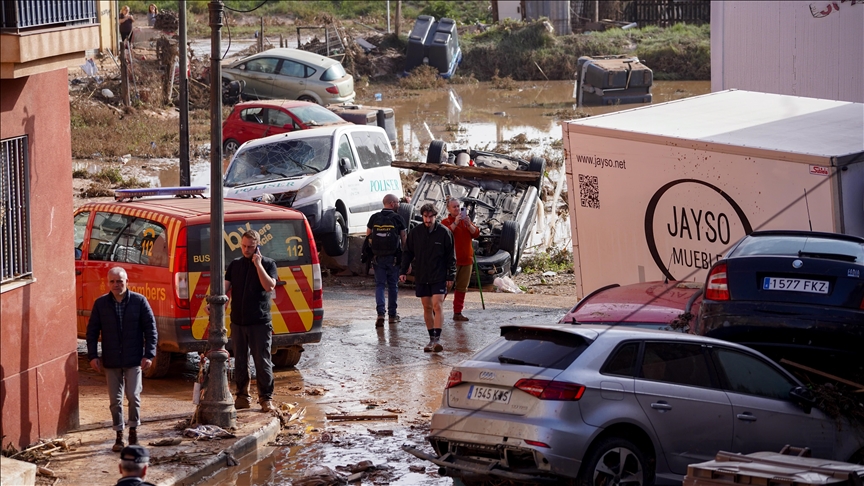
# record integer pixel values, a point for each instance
(163, 243)
(336, 176)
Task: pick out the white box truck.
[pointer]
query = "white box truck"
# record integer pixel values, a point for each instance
(663, 191)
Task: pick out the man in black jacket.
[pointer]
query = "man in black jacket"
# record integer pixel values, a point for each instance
(430, 249)
(125, 321)
(387, 230)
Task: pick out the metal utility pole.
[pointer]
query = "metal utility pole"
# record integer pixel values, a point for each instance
(398, 17)
(185, 172)
(217, 406)
(388, 16)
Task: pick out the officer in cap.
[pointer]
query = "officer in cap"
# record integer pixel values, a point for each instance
(133, 466)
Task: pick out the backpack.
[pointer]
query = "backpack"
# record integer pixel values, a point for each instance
(385, 238)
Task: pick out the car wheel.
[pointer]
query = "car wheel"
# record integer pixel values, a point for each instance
(336, 243)
(615, 461)
(308, 98)
(230, 146)
(509, 241)
(537, 164)
(159, 365)
(407, 212)
(857, 458)
(437, 152)
(287, 357)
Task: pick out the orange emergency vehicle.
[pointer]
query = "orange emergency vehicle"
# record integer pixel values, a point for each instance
(163, 243)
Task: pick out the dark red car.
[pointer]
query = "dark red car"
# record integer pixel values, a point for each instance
(257, 119)
(652, 305)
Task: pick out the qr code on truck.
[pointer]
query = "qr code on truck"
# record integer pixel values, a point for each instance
(589, 191)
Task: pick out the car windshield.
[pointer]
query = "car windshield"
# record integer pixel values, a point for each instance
(535, 347)
(799, 245)
(333, 73)
(279, 160)
(313, 115)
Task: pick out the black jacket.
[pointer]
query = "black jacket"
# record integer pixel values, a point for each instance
(123, 346)
(432, 254)
(250, 303)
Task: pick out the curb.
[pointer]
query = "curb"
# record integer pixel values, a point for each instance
(242, 447)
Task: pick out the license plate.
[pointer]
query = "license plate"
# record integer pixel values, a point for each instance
(795, 285)
(488, 394)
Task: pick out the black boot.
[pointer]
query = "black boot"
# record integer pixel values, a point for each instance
(118, 444)
(133, 436)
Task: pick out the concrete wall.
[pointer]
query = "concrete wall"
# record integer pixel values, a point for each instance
(780, 47)
(38, 346)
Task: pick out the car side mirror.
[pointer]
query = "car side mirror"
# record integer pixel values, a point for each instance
(803, 397)
(346, 166)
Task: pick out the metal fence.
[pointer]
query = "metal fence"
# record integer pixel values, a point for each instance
(25, 14)
(15, 255)
(666, 12)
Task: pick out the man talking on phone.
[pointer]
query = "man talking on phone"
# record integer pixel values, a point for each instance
(250, 279)
(463, 231)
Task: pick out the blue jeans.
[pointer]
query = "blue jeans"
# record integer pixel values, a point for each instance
(386, 273)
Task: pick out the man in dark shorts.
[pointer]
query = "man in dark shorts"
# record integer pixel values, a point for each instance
(430, 249)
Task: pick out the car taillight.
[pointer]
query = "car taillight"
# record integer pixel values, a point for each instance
(181, 272)
(862, 304)
(333, 90)
(718, 285)
(537, 444)
(551, 390)
(454, 379)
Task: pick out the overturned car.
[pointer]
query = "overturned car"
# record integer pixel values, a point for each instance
(499, 192)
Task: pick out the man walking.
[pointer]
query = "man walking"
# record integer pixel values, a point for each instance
(387, 236)
(126, 324)
(430, 249)
(463, 232)
(250, 279)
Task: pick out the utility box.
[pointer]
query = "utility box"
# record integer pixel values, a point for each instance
(612, 80)
(368, 115)
(663, 191)
(771, 468)
(434, 43)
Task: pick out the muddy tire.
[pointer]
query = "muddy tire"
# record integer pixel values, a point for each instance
(159, 367)
(407, 212)
(437, 152)
(336, 243)
(509, 242)
(537, 164)
(287, 357)
(308, 98)
(614, 460)
(230, 146)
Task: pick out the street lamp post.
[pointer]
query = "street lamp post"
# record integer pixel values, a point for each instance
(217, 406)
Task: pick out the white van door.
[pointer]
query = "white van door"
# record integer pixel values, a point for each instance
(352, 184)
(378, 177)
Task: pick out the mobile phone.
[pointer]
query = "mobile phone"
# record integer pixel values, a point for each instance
(464, 213)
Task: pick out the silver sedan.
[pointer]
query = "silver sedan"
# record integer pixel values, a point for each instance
(292, 74)
(610, 405)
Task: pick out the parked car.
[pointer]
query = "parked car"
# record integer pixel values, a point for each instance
(651, 305)
(163, 243)
(257, 119)
(613, 405)
(336, 176)
(292, 74)
(499, 191)
(797, 295)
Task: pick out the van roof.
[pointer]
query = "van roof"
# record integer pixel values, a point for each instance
(745, 120)
(193, 208)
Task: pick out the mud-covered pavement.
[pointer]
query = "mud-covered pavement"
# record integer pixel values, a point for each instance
(360, 370)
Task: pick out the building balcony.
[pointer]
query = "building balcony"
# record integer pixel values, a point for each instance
(38, 37)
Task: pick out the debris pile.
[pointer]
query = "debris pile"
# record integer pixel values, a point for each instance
(167, 21)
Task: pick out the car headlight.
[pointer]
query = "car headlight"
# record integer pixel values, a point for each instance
(310, 189)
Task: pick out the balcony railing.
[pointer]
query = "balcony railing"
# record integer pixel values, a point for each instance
(19, 15)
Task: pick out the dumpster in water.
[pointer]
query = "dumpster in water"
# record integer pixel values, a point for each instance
(434, 43)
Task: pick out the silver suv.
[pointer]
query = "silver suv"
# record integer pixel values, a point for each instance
(603, 405)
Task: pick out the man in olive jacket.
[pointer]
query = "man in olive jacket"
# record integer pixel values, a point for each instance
(128, 329)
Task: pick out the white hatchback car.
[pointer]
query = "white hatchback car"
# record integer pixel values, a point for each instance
(292, 74)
